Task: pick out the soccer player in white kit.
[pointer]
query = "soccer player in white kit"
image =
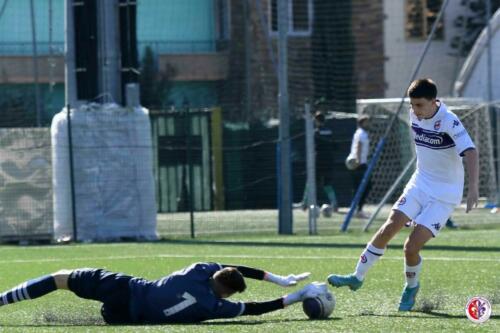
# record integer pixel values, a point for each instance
(432, 193)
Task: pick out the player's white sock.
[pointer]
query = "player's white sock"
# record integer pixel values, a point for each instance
(369, 256)
(412, 274)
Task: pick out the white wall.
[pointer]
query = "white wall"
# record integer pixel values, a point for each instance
(403, 54)
(473, 79)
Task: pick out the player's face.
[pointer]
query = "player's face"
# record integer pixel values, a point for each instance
(423, 107)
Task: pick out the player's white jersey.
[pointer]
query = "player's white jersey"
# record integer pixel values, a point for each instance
(440, 142)
(360, 137)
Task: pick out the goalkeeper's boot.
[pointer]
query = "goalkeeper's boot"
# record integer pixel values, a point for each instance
(408, 298)
(345, 280)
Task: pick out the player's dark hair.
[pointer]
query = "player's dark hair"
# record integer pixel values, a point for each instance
(423, 88)
(231, 279)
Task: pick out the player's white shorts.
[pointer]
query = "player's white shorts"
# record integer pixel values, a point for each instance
(424, 210)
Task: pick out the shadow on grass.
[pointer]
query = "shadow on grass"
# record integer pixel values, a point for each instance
(326, 245)
(91, 322)
(264, 321)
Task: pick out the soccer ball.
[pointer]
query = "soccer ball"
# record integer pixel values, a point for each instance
(351, 163)
(319, 307)
(326, 210)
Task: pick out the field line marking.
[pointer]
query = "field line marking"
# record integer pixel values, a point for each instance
(235, 256)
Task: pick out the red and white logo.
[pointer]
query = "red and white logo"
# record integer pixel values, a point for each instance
(478, 309)
(437, 125)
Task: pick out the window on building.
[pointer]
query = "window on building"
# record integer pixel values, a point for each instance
(299, 14)
(420, 17)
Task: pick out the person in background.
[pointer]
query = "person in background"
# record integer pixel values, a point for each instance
(357, 161)
(323, 139)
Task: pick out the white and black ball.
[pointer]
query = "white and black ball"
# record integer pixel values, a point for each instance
(319, 307)
(326, 210)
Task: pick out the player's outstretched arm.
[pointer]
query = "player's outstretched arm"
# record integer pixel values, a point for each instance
(258, 274)
(472, 166)
(258, 308)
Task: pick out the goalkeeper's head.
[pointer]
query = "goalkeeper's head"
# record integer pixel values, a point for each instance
(227, 282)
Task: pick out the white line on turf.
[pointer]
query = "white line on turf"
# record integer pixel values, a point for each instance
(236, 256)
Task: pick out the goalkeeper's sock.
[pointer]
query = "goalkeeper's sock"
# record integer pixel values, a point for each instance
(412, 274)
(29, 290)
(370, 256)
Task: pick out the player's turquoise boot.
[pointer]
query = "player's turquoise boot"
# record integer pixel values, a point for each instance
(408, 298)
(345, 280)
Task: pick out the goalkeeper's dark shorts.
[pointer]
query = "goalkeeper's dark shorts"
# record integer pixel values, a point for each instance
(112, 289)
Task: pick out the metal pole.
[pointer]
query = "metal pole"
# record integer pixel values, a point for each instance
(35, 66)
(51, 60)
(69, 52)
(285, 172)
(311, 171)
(187, 127)
(71, 174)
(488, 53)
(109, 51)
(248, 69)
(489, 69)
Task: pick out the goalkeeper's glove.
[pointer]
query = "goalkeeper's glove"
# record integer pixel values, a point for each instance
(311, 290)
(286, 281)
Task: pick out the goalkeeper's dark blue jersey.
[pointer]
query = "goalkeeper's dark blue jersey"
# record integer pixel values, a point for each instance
(183, 296)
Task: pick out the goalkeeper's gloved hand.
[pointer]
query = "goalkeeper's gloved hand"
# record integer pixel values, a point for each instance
(311, 290)
(286, 281)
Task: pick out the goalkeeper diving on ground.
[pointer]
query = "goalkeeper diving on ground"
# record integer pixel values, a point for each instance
(193, 294)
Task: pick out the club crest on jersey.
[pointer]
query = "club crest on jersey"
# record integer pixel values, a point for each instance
(437, 125)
